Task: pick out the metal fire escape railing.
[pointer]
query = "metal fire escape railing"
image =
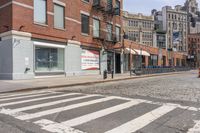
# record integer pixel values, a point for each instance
(108, 11)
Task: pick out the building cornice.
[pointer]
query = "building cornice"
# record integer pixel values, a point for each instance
(10, 34)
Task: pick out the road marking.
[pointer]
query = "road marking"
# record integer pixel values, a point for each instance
(142, 121)
(196, 128)
(57, 110)
(24, 94)
(101, 113)
(167, 104)
(55, 127)
(29, 96)
(37, 99)
(12, 112)
(174, 105)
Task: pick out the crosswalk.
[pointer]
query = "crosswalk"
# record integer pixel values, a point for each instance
(67, 112)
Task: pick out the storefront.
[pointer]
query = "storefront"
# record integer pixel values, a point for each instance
(153, 60)
(49, 59)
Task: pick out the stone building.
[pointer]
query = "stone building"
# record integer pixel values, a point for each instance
(160, 35)
(139, 28)
(191, 7)
(175, 25)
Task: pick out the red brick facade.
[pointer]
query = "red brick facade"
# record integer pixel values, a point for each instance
(20, 14)
(194, 49)
(5, 15)
(155, 51)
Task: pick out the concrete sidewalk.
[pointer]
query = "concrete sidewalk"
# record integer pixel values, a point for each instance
(55, 82)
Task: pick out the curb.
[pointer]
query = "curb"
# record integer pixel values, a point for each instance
(91, 83)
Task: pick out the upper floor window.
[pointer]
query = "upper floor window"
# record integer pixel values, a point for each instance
(86, 0)
(118, 33)
(96, 27)
(85, 28)
(117, 10)
(109, 5)
(109, 31)
(40, 11)
(59, 16)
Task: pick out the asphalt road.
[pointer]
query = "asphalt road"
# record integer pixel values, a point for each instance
(166, 104)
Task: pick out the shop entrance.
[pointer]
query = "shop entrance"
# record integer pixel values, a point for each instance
(49, 60)
(110, 62)
(117, 63)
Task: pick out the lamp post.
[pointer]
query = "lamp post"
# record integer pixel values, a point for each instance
(140, 58)
(130, 65)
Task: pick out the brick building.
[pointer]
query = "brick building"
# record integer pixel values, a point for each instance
(152, 56)
(194, 50)
(51, 37)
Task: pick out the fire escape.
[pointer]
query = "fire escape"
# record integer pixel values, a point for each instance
(108, 11)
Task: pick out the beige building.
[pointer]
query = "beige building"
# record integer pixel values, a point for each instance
(139, 28)
(175, 24)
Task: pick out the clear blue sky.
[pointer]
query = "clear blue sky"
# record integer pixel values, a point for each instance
(145, 6)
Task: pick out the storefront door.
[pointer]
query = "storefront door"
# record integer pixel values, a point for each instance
(48, 60)
(110, 62)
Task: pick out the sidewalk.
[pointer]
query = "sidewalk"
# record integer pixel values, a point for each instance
(45, 83)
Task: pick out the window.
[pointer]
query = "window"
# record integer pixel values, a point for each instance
(109, 32)
(59, 16)
(117, 10)
(109, 5)
(86, 0)
(40, 9)
(118, 33)
(85, 24)
(96, 28)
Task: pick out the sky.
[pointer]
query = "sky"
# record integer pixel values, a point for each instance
(145, 6)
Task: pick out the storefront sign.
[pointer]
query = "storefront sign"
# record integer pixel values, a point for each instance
(90, 60)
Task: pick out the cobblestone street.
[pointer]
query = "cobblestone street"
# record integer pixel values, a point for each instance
(179, 87)
(162, 104)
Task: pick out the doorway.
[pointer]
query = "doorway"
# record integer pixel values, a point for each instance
(117, 63)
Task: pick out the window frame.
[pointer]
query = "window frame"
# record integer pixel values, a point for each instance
(95, 19)
(87, 25)
(64, 26)
(46, 15)
(118, 37)
(109, 38)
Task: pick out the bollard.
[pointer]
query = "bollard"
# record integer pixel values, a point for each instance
(104, 74)
(199, 72)
(112, 74)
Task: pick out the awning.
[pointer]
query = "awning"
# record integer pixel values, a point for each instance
(141, 52)
(128, 51)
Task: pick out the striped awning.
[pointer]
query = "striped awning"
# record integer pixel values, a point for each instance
(128, 51)
(141, 52)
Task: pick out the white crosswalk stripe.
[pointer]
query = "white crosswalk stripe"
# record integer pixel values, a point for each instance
(24, 94)
(56, 110)
(140, 122)
(14, 111)
(37, 99)
(56, 127)
(28, 96)
(49, 107)
(101, 113)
